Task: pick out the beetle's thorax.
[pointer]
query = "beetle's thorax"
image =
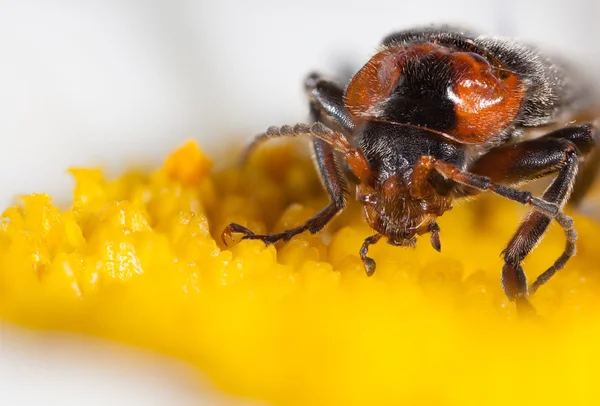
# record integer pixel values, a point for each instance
(397, 202)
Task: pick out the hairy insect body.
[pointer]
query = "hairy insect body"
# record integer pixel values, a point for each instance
(435, 116)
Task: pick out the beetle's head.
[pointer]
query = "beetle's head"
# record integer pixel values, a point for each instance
(392, 205)
(390, 210)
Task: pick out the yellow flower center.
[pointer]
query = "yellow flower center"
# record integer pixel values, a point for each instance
(140, 260)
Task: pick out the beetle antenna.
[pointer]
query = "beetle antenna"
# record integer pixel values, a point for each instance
(316, 130)
(355, 158)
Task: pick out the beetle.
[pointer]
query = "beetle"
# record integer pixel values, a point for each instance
(437, 115)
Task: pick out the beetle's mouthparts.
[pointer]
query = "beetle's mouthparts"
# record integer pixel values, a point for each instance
(409, 242)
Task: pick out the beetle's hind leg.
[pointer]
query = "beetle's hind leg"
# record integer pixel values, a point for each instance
(558, 152)
(326, 105)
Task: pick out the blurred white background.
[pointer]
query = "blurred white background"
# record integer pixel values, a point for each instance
(121, 82)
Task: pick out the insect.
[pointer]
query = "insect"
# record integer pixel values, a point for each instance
(438, 115)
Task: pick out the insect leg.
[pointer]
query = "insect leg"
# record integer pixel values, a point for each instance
(529, 159)
(336, 187)
(364, 251)
(326, 105)
(589, 170)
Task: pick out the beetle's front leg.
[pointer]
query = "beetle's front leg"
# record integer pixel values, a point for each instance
(326, 105)
(364, 251)
(333, 182)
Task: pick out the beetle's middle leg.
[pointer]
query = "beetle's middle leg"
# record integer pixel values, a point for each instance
(326, 105)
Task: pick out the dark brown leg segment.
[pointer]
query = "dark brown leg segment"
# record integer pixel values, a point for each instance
(336, 187)
(528, 160)
(533, 228)
(555, 152)
(327, 104)
(364, 251)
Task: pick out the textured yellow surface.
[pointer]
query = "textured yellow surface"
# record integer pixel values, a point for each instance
(136, 260)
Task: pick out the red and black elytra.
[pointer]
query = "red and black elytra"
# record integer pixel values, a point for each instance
(438, 115)
(483, 98)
